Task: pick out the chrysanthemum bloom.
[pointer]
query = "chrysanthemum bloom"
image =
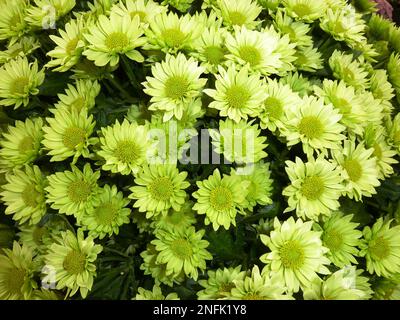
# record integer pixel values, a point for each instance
(257, 50)
(20, 144)
(393, 128)
(210, 48)
(344, 25)
(81, 95)
(382, 89)
(69, 46)
(181, 5)
(280, 99)
(308, 59)
(45, 13)
(393, 68)
(315, 187)
(24, 194)
(350, 71)
(297, 253)
(182, 219)
(19, 81)
(159, 188)
(346, 101)
(114, 36)
(147, 10)
(381, 248)
(314, 124)
(238, 12)
(259, 286)
(170, 33)
(359, 168)
(237, 94)
(220, 199)
(108, 213)
(260, 188)
(73, 192)
(125, 147)
(16, 273)
(305, 10)
(12, 20)
(183, 250)
(155, 294)
(344, 284)
(297, 31)
(385, 289)
(68, 135)
(219, 283)
(240, 142)
(342, 238)
(24, 47)
(175, 83)
(73, 257)
(298, 83)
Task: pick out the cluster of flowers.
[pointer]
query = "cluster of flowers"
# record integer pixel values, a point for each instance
(320, 77)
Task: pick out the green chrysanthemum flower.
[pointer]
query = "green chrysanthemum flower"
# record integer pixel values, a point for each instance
(350, 71)
(237, 94)
(175, 83)
(108, 213)
(173, 220)
(183, 250)
(298, 83)
(68, 135)
(259, 287)
(280, 99)
(239, 142)
(12, 20)
(24, 47)
(238, 12)
(16, 273)
(381, 88)
(73, 257)
(125, 147)
(381, 248)
(219, 283)
(159, 188)
(45, 294)
(297, 253)
(20, 81)
(147, 10)
(393, 128)
(315, 125)
(73, 192)
(305, 10)
(359, 169)
(181, 5)
(81, 95)
(308, 59)
(315, 188)
(344, 284)
(69, 46)
(114, 36)
(385, 289)
(20, 144)
(296, 30)
(155, 294)
(24, 195)
(220, 199)
(342, 238)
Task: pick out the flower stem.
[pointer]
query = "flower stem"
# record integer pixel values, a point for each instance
(120, 88)
(129, 72)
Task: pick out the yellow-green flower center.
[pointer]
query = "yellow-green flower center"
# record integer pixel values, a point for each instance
(311, 127)
(237, 18)
(379, 248)
(333, 239)
(73, 137)
(30, 196)
(226, 287)
(117, 41)
(78, 103)
(182, 249)
(14, 281)
(342, 104)
(176, 87)
(173, 37)
(127, 151)
(313, 187)
(37, 235)
(142, 15)
(292, 254)
(161, 189)
(237, 96)
(252, 296)
(214, 54)
(71, 46)
(221, 198)
(74, 262)
(339, 27)
(396, 137)
(274, 107)
(250, 54)
(106, 213)
(79, 191)
(19, 86)
(175, 218)
(302, 10)
(26, 144)
(353, 169)
(348, 75)
(378, 151)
